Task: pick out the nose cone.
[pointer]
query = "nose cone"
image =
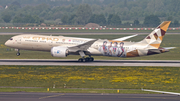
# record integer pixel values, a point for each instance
(7, 43)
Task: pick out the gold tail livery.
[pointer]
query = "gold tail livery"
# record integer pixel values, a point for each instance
(60, 46)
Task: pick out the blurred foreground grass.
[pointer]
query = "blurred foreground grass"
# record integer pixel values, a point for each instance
(169, 41)
(158, 78)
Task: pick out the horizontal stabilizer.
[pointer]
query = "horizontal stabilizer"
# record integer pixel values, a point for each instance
(125, 38)
(154, 51)
(168, 48)
(163, 92)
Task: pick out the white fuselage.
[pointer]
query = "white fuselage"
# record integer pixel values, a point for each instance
(46, 43)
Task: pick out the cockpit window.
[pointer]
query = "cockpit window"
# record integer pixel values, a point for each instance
(11, 39)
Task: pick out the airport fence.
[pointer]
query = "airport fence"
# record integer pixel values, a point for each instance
(80, 28)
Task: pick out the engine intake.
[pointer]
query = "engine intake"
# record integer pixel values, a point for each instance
(59, 51)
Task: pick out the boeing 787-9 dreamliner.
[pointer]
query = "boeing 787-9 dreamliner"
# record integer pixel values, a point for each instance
(60, 46)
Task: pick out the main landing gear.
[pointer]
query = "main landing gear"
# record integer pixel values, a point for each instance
(88, 59)
(18, 53)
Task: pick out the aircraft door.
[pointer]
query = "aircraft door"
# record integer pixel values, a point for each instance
(19, 40)
(50, 43)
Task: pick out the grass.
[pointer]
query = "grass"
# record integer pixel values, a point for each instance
(157, 78)
(168, 41)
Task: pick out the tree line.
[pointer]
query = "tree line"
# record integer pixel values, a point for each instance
(104, 12)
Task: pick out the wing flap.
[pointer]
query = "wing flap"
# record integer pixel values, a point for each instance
(82, 47)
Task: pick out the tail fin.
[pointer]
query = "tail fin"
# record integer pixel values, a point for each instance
(154, 39)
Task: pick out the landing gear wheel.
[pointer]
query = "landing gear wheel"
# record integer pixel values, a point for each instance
(91, 59)
(18, 54)
(81, 60)
(87, 59)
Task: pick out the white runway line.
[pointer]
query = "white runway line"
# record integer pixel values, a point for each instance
(60, 62)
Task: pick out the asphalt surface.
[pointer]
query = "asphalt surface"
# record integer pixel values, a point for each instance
(67, 62)
(22, 96)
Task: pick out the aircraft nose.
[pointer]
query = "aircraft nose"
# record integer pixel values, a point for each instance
(7, 43)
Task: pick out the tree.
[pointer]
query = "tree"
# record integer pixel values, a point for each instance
(15, 6)
(92, 19)
(72, 19)
(6, 18)
(65, 19)
(170, 18)
(27, 19)
(99, 19)
(16, 3)
(125, 3)
(176, 23)
(17, 19)
(115, 20)
(151, 20)
(109, 19)
(136, 22)
(83, 14)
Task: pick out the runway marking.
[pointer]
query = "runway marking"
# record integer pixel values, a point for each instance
(160, 97)
(72, 62)
(51, 96)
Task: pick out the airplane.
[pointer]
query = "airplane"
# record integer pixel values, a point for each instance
(61, 46)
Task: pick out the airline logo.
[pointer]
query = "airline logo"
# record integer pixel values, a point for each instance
(42, 38)
(58, 51)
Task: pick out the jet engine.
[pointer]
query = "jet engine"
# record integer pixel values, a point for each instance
(59, 51)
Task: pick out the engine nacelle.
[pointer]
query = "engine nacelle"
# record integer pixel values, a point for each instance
(59, 51)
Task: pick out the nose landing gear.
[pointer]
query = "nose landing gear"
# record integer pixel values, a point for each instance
(18, 53)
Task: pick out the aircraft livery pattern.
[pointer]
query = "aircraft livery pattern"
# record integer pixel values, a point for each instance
(113, 49)
(148, 46)
(65, 46)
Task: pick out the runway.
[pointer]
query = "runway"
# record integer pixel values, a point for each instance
(67, 62)
(22, 96)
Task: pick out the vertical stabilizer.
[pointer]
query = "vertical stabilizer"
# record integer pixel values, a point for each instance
(154, 39)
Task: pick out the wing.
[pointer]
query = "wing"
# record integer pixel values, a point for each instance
(82, 47)
(163, 92)
(125, 38)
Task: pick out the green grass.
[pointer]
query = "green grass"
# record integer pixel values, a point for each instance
(157, 78)
(168, 41)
